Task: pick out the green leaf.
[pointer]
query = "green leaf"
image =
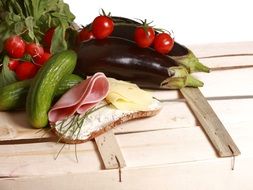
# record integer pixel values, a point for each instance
(6, 76)
(29, 21)
(19, 27)
(58, 41)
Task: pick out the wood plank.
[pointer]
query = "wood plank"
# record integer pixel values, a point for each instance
(110, 151)
(235, 82)
(211, 49)
(228, 61)
(213, 127)
(192, 175)
(173, 115)
(139, 149)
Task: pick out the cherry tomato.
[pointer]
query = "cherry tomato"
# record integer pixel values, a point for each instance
(163, 43)
(35, 50)
(15, 46)
(13, 63)
(84, 35)
(43, 59)
(144, 37)
(26, 70)
(48, 37)
(102, 27)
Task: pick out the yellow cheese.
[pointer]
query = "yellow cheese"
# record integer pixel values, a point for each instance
(128, 96)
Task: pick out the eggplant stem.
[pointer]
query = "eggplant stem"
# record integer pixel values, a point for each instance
(181, 78)
(192, 63)
(193, 82)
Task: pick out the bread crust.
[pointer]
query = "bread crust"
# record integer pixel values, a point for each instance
(107, 127)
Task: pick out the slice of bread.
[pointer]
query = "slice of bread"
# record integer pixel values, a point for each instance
(99, 120)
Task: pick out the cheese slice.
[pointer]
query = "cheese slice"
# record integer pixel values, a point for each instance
(128, 96)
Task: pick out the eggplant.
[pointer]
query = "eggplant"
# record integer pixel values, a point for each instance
(124, 28)
(123, 59)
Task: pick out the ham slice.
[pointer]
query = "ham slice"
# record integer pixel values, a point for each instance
(80, 98)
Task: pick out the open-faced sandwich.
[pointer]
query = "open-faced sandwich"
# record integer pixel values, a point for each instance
(98, 104)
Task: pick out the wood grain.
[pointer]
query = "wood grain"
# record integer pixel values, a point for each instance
(168, 151)
(145, 149)
(174, 115)
(214, 49)
(190, 175)
(235, 82)
(110, 151)
(215, 130)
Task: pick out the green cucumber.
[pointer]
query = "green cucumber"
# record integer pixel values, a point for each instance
(67, 82)
(44, 85)
(13, 96)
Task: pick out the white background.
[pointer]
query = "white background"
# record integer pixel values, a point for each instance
(193, 21)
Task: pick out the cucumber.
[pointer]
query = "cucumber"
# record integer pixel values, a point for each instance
(44, 85)
(13, 96)
(67, 82)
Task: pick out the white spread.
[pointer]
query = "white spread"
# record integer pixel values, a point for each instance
(102, 116)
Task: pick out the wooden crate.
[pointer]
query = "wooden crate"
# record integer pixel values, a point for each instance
(168, 151)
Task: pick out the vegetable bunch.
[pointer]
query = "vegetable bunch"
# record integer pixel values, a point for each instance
(30, 19)
(31, 30)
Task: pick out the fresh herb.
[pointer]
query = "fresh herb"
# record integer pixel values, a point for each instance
(75, 123)
(31, 18)
(6, 76)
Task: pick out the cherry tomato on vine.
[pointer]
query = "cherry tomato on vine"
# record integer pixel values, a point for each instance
(35, 50)
(85, 34)
(13, 63)
(43, 59)
(102, 27)
(163, 43)
(15, 46)
(144, 37)
(26, 70)
(47, 39)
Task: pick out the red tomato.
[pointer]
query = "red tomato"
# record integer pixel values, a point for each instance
(13, 63)
(84, 35)
(144, 37)
(26, 70)
(48, 37)
(35, 50)
(163, 43)
(15, 46)
(102, 27)
(43, 59)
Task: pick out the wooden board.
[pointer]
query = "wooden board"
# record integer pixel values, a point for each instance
(210, 123)
(168, 151)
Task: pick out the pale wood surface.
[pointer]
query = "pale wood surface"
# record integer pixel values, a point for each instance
(206, 50)
(231, 112)
(168, 151)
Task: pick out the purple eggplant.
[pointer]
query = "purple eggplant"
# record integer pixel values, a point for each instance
(125, 28)
(123, 59)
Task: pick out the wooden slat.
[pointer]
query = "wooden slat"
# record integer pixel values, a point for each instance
(140, 150)
(173, 115)
(110, 151)
(215, 130)
(228, 62)
(235, 82)
(177, 149)
(205, 50)
(208, 175)
(195, 175)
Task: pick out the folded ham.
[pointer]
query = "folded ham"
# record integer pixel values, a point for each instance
(80, 98)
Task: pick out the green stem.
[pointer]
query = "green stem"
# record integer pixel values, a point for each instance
(180, 79)
(193, 82)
